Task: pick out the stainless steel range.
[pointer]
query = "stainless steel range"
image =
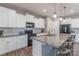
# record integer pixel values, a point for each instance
(30, 34)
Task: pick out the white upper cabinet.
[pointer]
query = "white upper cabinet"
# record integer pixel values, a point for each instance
(42, 23)
(67, 21)
(4, 17)
(21, 20)
(7, 17)
(29, 18)
(12, 18)
(75, 23)
(39, 23)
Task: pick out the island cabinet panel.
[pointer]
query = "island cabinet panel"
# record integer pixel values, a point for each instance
(48, 50)
(42, 49)
(37, 51)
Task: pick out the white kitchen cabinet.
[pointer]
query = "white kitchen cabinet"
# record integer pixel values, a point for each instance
(75, 23)
(29, 18)
(12, 43)
(67, 21)
(21, 41)
(21, 20)
(9, 44)
(39, 23)
(12, 18)
(3, 46)
(36, 23)
(42, 23)
(17, 42)
(4, 16)
(7, 17)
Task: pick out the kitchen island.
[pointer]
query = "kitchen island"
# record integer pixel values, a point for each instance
(47, 45)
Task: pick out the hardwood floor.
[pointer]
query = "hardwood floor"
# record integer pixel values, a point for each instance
(27, 51)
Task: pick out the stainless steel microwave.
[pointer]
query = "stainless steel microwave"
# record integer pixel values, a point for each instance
(30, 25)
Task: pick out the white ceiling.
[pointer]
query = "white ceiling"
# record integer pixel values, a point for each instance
(51, 8)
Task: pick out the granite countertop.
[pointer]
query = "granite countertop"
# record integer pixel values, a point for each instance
(55, 41)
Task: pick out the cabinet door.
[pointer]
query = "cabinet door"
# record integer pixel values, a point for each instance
(12, 18)
(4, 16)
(12, 43)
(21, 42)
(7, 17)
(26, 40)
(37, 48)
(48, 50)
(39, 23)
(42, 23)
(36, 23)
(3, 46)
(20, 20)
(18, 41)
(29, 18)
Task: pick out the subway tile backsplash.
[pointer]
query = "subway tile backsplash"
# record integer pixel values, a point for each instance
(14, 31)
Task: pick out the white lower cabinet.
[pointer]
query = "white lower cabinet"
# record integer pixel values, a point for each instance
(9, 44)
(21, 42)
(3, 46)
(12, 43)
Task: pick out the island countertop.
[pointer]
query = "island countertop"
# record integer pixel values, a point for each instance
(55, 41)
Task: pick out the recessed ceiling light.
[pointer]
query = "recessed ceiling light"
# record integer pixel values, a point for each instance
(72, 11)
(44, 10)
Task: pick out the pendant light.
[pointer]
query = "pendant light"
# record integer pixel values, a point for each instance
(64, 14)
(61, 18)
(60, 13)
(54, 15)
